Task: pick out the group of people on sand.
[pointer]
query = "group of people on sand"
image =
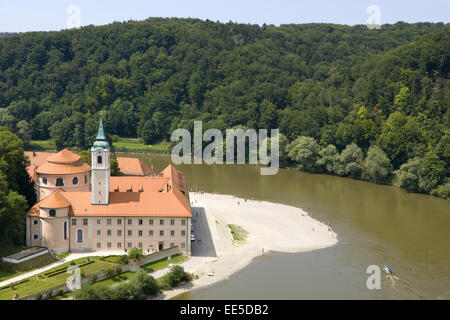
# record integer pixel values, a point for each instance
(329, 227)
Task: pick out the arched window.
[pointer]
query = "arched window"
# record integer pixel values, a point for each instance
(79, 236)
(59, 182)
(65, 229)
(75, 181)
(52, 213)
(99, 159)
(85, 179)
(44, 180)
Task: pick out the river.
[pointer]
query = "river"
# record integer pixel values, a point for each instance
(376, 225)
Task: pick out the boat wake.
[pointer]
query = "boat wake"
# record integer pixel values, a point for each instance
(399, 284)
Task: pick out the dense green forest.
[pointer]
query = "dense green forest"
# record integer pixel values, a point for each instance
(348, 100)
(16, 190)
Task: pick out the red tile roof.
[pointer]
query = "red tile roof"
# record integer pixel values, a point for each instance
(133, 167)
(128, 166)
(159, 196)
(64, 156)
(55, 200)
(63, 168)
(36, 159)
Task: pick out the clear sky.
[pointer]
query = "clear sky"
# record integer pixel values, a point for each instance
(34, 15)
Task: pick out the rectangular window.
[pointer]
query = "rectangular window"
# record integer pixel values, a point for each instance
(99, 221)
(182, 245)
(85, 222)
(129, 232)
(108, 245)
(183, 222)
(119, 244)
(129, 244)
(183, 233)
(161, 222)
(161, 232)
(74, 222)
(140, 245)
(129, 221)
(172, 222)
(172, 245)
(150, 233)
(108, 222)
(119, 221)
(99, 245)
(151, 222)
(108, 232)
(119, 232)
(140, 233)
(172, 233)
(140, 222)
(99, 232)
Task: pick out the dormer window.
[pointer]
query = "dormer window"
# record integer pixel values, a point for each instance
(44, 180)
(99, 160)
(59, 182)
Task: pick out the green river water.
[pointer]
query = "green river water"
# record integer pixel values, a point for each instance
(376, 225)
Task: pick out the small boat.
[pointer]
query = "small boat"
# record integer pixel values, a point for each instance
(388, 270)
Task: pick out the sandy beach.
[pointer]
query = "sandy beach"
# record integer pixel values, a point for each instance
(270, 226)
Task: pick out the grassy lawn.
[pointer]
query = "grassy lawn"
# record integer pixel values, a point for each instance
(164, 263)
(152, 266)
(10, 270)
(239, 234)
(62, 255)
(124, 144)
(6, 274)
(41, 145)
(35, 285)
(129, 144)
(112, 259)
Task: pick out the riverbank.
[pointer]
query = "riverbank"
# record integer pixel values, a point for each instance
(270, 227)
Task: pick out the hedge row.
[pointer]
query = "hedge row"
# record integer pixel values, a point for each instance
(14, 284)
(62, 270)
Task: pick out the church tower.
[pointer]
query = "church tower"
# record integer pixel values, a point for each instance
(100, 168)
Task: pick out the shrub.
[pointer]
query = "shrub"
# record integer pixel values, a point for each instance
(304, 151)
(94, 278)
(350, 160)
(82, 273)
(117, 270)
(177, 275)
(377, 166)
(123, 259)
(39, 296)
(145, 283)
(442, 191)
(110, 272)
(135, 254)
(238, 233)
(422, 174)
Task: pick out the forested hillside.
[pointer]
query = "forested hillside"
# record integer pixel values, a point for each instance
(16, 190)
(334, 91)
